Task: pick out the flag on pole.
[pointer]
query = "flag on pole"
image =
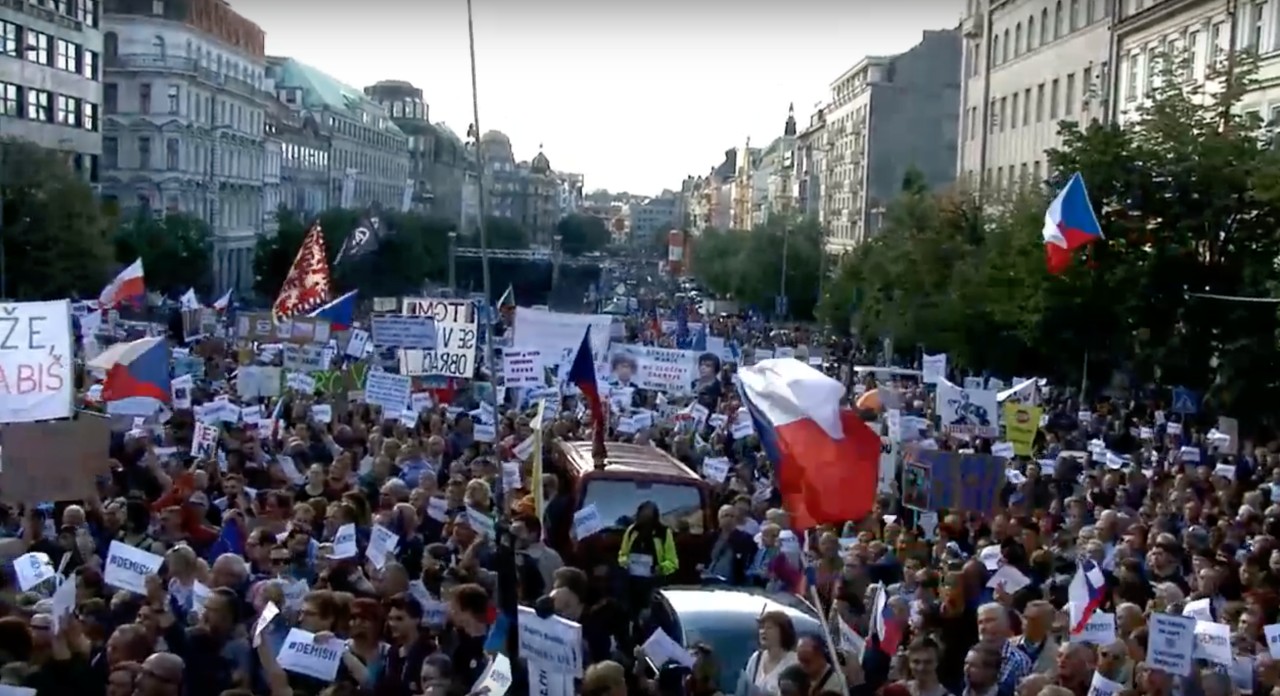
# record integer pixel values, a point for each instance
(539, 504)
(362, 240)
(306, 287)
(582, 374)
(1069, 224)
(189, 300)
(507, 305)
(223, 302)
(127, 287)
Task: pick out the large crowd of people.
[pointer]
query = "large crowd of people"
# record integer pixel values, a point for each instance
(363, 553)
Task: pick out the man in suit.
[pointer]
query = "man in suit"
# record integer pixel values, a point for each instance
(732, 551)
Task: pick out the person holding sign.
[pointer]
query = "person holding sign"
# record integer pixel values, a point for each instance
(647, 555)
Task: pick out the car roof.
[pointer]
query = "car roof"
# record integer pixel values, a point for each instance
(625, 458)
(731, 607)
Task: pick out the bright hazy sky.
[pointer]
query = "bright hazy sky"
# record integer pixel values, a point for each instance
(633, 95)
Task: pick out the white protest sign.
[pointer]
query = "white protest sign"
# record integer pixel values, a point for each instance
(663, 369)
(544, 681)
(1198, 609)
(523, 367)
(1273, 640)
(1213, 643)
(715, 469)
(36, 353)
(32, 569)
(455, 351)
(554, 642)
(888, 465)
(1171, 643)
(967, 411)
(1101, 686)
(496, 678)
(552, 333)
(204, 441)
(661, 648)
(388, 390)
(382, 543)
(302, 653)
(357, 343)
(128, 567)
(269, 613)
(305, 358)
(64, 603)
(1100, 629)
(344, 542)
(587, 522)
(933, 368)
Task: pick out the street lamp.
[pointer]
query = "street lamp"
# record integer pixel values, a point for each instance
(453, 259)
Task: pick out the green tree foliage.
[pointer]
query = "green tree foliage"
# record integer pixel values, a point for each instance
(747, 265)
(500, 233)
(1188, 200)
(412, 249)
(176, 251)
(582, 234)
(54, 234)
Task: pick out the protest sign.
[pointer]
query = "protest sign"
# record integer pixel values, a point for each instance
(36, 353)
(933, 368)
(303, 653)
(388, 390)
(888, 465)
(54, 460)
(543, 681)
(306, 358)
(554, 332)
(32, 569)
(936, 480)
(1171, 643)
(496, 678)
(1099, 630)
(523, 367)
(967, 411)
(456, 338)
(1021, 423)
(382, 542)
(587, 522)
(344, 542)
(338, 383)
(127, 567)
(553, 642)
(657, 369)
(403, 331)
(1213, 643)
(261, 327)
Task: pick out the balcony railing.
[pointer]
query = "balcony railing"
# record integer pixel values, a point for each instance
(187, 66)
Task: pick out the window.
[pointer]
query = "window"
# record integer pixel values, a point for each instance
(1017, 40)
(1089, 13)
(1215, 43)
(66, 57)
(1153, 65)
(89, 12)
(1026, 107)
(1075, 15)
(89, 116)
(1194, 60)
(171, 154)
(89, 64)
(1134, 69)
(144, 152)
(1035, 169)
(144, 98)
(1068, 104)
(1013, 111)
(10, 36)
(1274, 119)
(10, 100)
(110, 153)
(1031, 32)
(1058, 21)
(1004, 111)
(68, 110)
(1004, 53)
(39, 105)
(1053, 100)
(1040, 103)
(38, 47)
(175, 99)
(995, 49)
(110, 97)
(1086, 87)
(1258, 11)
(1044, 26)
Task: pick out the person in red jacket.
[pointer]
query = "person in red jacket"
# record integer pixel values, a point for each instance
(193, 504)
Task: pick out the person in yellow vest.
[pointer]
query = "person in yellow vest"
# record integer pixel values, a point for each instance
(647, 557)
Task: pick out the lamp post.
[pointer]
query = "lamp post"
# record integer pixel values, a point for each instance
(453, 259)
(506, 556)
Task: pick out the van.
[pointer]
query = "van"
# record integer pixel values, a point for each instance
(629, 475)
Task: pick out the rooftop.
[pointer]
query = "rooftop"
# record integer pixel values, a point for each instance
(323, 91)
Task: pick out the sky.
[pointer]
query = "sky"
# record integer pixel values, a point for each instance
(632, 95)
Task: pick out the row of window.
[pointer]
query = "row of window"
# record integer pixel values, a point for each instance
(1076, 16)
(1188, 49)
(17, 41)
(42, 105)
(1010, 112)
(86, 11)
(1011, 177)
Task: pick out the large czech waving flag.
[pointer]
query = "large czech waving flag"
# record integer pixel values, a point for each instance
(340, 313)
(1086, 593)
(827, 459)
(128, 287)
(137, 376)
(1069, 224)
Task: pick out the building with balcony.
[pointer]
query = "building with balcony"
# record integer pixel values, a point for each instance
(526, 192)
(272, 176)
(304, 160)
(184, 103)
(810, 165)
(888, 115)
(1027, 65)
(438, 161)
(50, 78)
(368, 162)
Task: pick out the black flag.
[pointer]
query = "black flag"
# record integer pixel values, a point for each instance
(362, 240)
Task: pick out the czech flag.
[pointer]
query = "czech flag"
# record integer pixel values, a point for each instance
(884, 624)
(128, 287)
(1087, 592)
(137, 375)
(1069, 224)
(582, 374)
(223, 302)
(340, 313)
(827, 460)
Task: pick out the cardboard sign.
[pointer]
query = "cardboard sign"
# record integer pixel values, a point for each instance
(54, 460)
(456, 338)
(261, 327)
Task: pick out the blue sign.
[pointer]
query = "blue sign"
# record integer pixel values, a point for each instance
(1185, 401)
(780, 305)
(403, 331)
(938, 480)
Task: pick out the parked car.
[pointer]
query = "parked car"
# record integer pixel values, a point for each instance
(725, 618)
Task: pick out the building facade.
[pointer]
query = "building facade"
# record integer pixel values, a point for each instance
(888, 115)
(526, 192)
(810, 165)
(368, 163)
(304, 160)
(50, 78)
(653, 216)
(438, 162)
(1028, 64)
(185, 100)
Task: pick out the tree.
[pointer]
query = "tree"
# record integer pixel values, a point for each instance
(51, 228)
(500, 233)
(747, 265)
(582, 234)
(176, 251)
(1188, 197)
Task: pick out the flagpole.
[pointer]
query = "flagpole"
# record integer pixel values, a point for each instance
(506, 556)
